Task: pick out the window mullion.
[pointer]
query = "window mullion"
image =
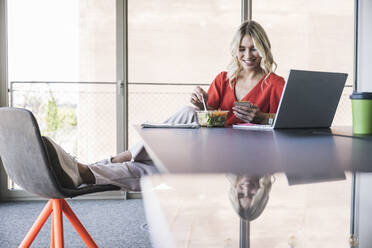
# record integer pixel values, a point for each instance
(246, 10)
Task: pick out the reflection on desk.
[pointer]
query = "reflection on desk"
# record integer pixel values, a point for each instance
(249, 194)
(197, 211)
(305, 155)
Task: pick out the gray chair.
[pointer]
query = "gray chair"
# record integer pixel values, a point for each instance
(32, 163)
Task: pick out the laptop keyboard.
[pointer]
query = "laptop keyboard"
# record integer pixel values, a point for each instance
(250, 126)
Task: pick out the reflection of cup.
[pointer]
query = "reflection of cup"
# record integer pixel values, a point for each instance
(362, 112)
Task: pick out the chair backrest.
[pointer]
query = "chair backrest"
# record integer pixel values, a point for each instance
(23, 153)
(31, 161)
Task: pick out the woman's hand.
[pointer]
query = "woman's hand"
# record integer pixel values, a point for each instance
(197, 98)
(249, 114)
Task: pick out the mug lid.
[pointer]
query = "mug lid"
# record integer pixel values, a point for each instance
(361, 95)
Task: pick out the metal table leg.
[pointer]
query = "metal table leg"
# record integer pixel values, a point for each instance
(244, 234)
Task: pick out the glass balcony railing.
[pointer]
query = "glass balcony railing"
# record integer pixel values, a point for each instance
(81, 116)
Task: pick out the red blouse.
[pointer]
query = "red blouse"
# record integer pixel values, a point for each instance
(265, 94)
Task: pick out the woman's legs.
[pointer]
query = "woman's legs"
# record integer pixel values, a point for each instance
(126, 175)
(88, 177)
(124, 169)
(67, 162)
(85, 174)
(184, 115)
(122, 157)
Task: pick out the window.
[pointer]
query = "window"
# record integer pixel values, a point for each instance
(319, 36)
(314, 35)
(62, 66)
(172, 45)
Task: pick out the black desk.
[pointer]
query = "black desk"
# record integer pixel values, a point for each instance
(303, 154)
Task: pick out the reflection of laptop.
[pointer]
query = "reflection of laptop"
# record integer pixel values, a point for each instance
(309, 100)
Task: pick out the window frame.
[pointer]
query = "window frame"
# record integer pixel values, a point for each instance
(121, 24)
(122, 85)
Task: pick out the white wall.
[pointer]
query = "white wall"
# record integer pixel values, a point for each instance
(364, 62)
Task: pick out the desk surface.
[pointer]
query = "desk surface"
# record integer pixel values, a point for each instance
(195, 211)
(303, 154)
(183, 204)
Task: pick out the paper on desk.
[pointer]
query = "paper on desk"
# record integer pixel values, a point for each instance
(170, 125)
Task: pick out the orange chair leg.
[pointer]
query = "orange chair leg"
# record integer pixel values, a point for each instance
(52, 233)
(77, 225)
(38, 224)
(55, 207)
(58, 222)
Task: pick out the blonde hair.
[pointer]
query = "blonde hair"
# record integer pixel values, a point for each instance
(261, 43)
(259, 200)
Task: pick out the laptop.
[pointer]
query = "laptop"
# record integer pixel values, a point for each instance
(309, 100)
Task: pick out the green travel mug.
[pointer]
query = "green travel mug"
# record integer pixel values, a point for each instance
(361, 103)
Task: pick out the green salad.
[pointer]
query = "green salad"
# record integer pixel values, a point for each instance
(215, 118)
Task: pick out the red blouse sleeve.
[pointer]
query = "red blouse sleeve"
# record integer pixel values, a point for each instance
(276, 94)
(214, 91)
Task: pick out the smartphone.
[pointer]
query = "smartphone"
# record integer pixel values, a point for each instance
(243, 103)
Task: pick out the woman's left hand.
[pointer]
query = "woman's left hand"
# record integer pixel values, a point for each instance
(249, 113)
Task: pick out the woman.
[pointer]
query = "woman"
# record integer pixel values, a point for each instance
(250, 78)
(249, 194)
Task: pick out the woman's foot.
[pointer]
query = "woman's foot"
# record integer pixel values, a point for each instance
(87, 175)
(122, 157)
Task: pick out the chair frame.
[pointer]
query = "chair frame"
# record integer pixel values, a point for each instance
(20, 130)
(55, 208)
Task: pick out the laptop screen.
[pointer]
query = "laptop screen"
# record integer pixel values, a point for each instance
(309, 99)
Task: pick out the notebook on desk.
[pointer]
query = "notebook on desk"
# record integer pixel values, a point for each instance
(309, 100)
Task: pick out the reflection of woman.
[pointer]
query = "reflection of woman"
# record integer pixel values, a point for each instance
(249, 195)
(250, 78)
